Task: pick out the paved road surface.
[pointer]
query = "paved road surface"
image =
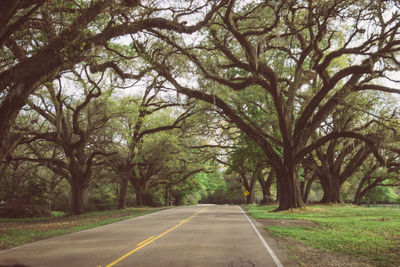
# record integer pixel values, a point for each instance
(184, 236)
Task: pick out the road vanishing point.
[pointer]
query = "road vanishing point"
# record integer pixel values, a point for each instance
(204, 235)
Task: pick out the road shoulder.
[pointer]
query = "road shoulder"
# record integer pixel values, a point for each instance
(281, 252)
(293, 252)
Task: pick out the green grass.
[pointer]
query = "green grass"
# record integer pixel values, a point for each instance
(57, 214)
(16, 232)
(367, 233)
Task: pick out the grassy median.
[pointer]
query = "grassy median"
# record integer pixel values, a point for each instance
(16, 232)
(371, 234)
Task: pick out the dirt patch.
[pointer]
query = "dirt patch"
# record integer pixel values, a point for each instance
(279, 222)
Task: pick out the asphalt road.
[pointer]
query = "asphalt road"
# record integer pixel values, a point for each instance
(184, 236)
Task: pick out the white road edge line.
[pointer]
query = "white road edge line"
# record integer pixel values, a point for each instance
(267, 247)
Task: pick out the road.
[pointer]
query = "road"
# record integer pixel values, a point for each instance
(182, 236)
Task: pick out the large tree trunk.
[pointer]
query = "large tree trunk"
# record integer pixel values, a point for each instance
(123, 193)
(289, 188)
(331, 187)
(139, 196)
(358, 196)
(139, 185)
(10, 106)
(77, 191)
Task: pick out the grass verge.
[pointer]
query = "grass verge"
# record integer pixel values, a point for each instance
(16, 232)
(365, 233)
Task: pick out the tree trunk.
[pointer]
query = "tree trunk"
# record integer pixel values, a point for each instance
(307, 188)
(49, 205)
(277, 190)
(166, 196)
(178, 199)
(250, 198)
(331, 187)
(77, 191)
(139, 185)
(289, 188)
(266, 186)
(360, 193)
(250, 188)
(139, 196)
(266, 191)
(358, 197)
(123, 193)
(50, 198)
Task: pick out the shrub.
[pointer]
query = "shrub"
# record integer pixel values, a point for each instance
(23, 207)
(382, 194)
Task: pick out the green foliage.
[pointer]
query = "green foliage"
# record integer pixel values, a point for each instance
(151, 199)
(210, 182)
(246, 156)
(102, 197)
(382, 194)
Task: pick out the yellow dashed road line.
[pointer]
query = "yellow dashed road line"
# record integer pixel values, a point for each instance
(151, 239)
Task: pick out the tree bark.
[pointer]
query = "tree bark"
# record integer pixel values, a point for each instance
(307, 188)
(250, 196)
(360, 193)
(277, 190)
(166, 195)
(123, 193)
(249, 186)
(331, 187)
(266, 186)
(77, 191)
(289, 188)
(358, 196)
(139, 196)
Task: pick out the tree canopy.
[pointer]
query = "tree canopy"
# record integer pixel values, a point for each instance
(153, 93)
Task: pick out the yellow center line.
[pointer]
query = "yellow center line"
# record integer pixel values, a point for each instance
(152, 239)
(183, 221)
(144, 241)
